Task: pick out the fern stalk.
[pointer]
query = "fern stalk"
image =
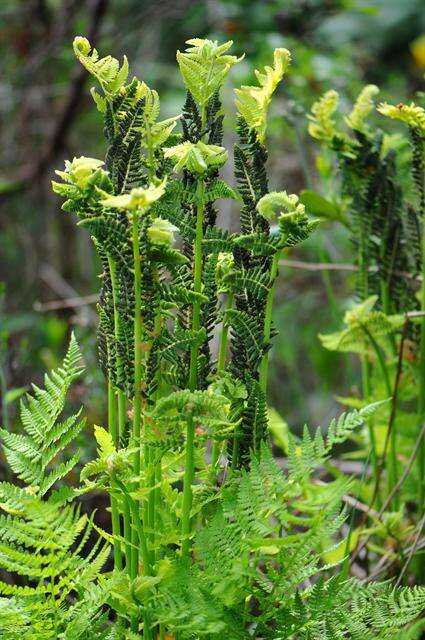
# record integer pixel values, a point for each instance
(221, 365)
(131, 506)
(155, 475)
(115, 517)
(421, 398)
(392, 471)
(193, 370)
(121, 404)
(365, 369)
(137, 399)
(418, 171)
(264, 366)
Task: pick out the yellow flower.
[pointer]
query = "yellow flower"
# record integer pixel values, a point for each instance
(418, 50)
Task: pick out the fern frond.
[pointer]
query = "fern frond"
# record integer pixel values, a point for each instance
(252, 103)
(362, 324)
(362, 107)
(204, 66)
(106, 70)
(30, 455)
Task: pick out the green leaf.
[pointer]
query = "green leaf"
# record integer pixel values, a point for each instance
(12, 395)
(319, 206)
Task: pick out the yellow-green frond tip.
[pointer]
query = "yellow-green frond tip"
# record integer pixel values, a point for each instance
(362, 107)
(108, 72)
(252, 103)
(322, 124)
(411, 114)
(138, 198)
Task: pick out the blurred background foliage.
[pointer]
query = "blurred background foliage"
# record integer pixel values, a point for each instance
(47, 266)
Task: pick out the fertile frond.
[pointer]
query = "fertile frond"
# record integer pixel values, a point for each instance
(294, 226)
(209, 411)
(196, 158)
(280, 201)
(137, 198)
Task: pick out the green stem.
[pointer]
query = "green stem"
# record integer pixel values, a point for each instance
(127, 538)
(393, 473)
(132, 507)
(264, 366)
(235, 451)
(149, 506)
(386, 308)
(4, 403)
(221, 364)
(421, 396)
(364, 279)
(137, 399)
(155, 469)
(151, 496)
(115, 517)
(327, 281)
(372, 437)
(122, 404)
(193, 371)
(378, 352)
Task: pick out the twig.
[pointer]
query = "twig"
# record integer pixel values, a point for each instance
(384, 566)
(353, 502)
(395, 489)
(62, 288)
(412, 551)
(66, 303)
(394, 398)
(338, 266)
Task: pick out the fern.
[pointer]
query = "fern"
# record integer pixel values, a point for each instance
(362, 323)
(43, 540)
(200, 549)
(204, 66)
(252, 103)
(380, 219)
(31, 454)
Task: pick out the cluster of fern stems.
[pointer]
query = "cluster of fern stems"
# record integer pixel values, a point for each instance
(209, 535)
